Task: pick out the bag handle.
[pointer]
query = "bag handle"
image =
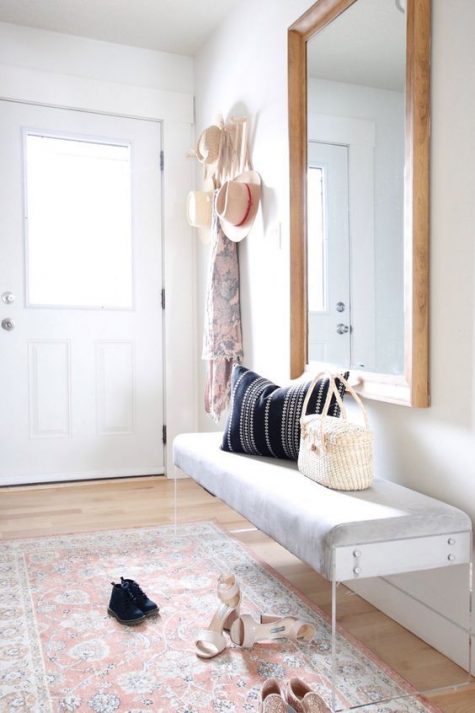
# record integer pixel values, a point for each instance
(349, 389)
(330, 392)
(333, 391)
(309, 393)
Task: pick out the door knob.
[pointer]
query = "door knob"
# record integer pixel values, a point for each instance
(340, 306)
(8, 324)
(342, 328)
(8, 298)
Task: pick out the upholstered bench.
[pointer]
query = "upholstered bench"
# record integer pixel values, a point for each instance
(387, 529)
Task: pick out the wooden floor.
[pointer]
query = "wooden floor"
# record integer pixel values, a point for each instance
(134, 502)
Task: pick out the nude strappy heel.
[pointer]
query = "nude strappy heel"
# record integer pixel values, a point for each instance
(245, 631)
(230, 594)
(211, 641)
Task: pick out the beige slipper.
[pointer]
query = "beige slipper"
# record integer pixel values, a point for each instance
(271, 698)
(302, 699)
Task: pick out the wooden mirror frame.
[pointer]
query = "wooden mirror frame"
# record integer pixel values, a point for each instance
(412, 387)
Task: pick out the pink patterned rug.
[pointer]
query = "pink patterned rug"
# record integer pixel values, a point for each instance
(60, 652)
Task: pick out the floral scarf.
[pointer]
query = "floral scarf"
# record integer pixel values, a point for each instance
(222, 343)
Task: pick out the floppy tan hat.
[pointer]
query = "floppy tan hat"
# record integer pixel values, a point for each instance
(237, 204)
(199, 208)
(208, 147)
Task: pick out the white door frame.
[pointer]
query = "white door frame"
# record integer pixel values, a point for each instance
(360, 137)
(174, 111)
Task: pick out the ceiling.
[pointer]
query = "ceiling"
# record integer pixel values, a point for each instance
(179, 26)
(365, 45)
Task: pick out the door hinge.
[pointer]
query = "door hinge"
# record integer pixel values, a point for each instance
(162, 160)
(163, 298)
(164, 435)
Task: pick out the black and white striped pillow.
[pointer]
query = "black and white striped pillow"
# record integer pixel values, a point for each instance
(264, 418)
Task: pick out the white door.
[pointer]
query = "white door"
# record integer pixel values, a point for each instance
(328, 246)
(81, 378)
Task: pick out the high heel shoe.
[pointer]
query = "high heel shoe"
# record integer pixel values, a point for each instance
(300, 696)
(271, 698)
(245, 631)
(229, 593)
(211, 641)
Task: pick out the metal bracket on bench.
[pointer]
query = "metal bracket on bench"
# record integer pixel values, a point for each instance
(379, 559)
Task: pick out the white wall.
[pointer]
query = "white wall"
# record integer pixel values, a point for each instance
(62, 70)
(386, 110)
(54, 52)
(243, 70)
(243, 67)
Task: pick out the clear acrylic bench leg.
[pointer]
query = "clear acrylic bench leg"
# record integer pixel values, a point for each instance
(175, 499)
(375, 660)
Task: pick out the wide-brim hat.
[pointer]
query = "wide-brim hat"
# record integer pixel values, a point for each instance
(208, 146)
(237, 203)
(199, 206)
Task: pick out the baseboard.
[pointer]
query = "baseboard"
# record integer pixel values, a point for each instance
(88, 475)
(443, 634)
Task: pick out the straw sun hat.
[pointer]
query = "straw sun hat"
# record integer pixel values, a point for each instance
(208, 146)
(237, 203)
(199, 208)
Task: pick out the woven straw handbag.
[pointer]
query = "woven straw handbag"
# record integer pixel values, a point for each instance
(334, 451)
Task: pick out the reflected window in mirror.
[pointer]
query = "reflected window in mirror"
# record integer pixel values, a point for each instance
(316, 248)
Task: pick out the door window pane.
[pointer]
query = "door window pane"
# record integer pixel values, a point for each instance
(79, 236)
(316, 240)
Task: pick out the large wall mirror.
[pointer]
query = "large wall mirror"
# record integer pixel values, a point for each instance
(359, 153)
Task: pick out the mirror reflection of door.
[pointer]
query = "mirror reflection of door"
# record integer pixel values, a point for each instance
(329, 326)
(355, 105)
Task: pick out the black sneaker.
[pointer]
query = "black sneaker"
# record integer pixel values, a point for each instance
(148, 607)
(123, 605)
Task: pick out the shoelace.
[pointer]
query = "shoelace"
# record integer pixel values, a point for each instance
(128, 591)
(133, 589)
(130, 595)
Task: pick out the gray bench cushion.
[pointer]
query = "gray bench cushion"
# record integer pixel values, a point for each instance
(306, 518)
